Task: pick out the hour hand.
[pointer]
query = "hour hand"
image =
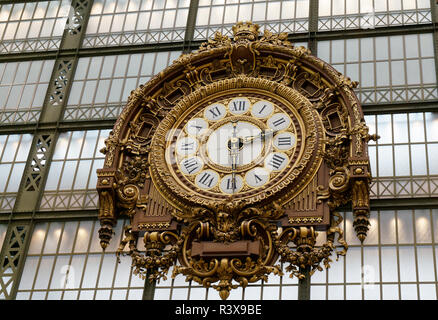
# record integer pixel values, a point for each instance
(261, 135)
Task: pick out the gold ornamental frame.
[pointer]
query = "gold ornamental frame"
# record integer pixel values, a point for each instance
(232, 242)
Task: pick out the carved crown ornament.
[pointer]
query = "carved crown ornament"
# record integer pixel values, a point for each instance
(232, 160)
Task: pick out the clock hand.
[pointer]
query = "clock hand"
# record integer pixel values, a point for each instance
(234, 154)
(262, 135)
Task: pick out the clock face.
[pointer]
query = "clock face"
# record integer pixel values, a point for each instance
(234, 144)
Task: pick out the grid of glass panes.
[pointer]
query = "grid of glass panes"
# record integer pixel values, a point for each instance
(103, 84)
(14, 150)
(404, 161)
(398, 260)
(289, 16)
(129, 22)
(276, 288)
(32, 26)
(71, 182)
(389, 69)
(23, 87)
(65, 262)
(370, 14)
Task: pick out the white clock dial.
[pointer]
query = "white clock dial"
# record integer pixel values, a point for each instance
(276, 161)
(186, 146)
(207, 179)
(239, 106)
(191, 165)
(215, 112)
(217, 144)
(230, 185)
(284, 141)
(196, 126)
(262, 109)
(257, 177)
(279, 121)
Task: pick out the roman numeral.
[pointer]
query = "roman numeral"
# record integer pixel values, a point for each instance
(276, 161)
(277, 122)
(206, 180)
(284, 141)
(239, 105)
(188, 146)
(231, 184)
(215, 112)
(190, 165)
(261, 110)
(257, 178)
(198, 128)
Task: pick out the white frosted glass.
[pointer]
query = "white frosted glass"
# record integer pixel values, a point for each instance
(68, 236)
(156, 18)
(370, 268)
(40, 95)
(181, 294)
(337, 51)
(15, 177)
(400, 123)
(29, 271)
(105, 24)
(416, 127)
(396, 47)
(11, 148)
(335, 292)
(423, 232)
(425, 263)
(405, 227)
(352, 292)
(82, 174)
(381, 46)
(94, 68)
(83, 236)
(87, 295)
(38, 236)
(413, 71)
(408, 292)
(88, 92)
(71, 295)
(387, 227)
(68, 173)
(288, 293)
(352, 71)
(419, 165)
(367, 75)
(5, 170)
(60, 279)
(427, 67)
(103, 294)
(116, 89)
(202, 16)
(402, 167)
(259, 12)
(352, 49)
(273, 12)
(407, 263)
(385, 166)
(135, 294)
(302, 8)
(426, 45)
(54, 175)
(162, 294)
(44, 271)
(411, 44)
(91, 271)
(169, 19)
(373, 232)
(389, 264)
(123, 273)
(230, 15)
(119, 295)
(317, 293)
(390, 292)
(52, 239)
(198, 293)
(336, 271)
(427, 292)
(353, 265)
(324, 8)
(382, 74)
(433, 158)
(269, 293)
(61, 146)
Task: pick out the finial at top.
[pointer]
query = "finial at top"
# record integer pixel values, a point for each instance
(246, 30)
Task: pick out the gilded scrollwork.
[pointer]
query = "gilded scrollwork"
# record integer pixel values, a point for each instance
(236, 241)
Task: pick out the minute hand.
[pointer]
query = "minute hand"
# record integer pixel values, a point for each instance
(261, 135)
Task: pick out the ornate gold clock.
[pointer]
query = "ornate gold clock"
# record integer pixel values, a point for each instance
(233, 159)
